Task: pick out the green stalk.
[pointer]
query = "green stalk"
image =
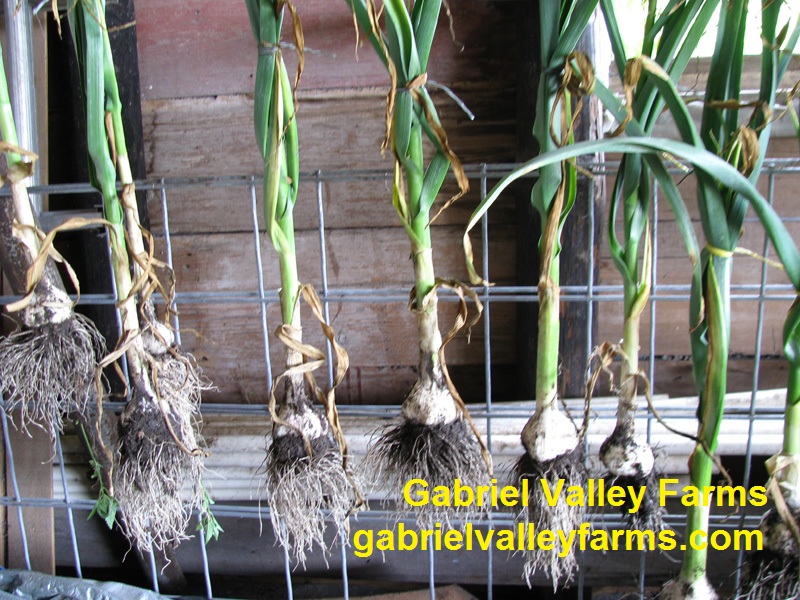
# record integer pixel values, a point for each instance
(404, 47)
(290, 282)
(543, 199)
(628, 404)
(424, 276)
(276, 133)
(548, 341)
(773, 68)
(790, 475)
(670, 37)
(114, 110)
(791, 424)
(430, 340)
(560, 27)
(290, 287)
(712, 399)
(8, 128)
(88, 35)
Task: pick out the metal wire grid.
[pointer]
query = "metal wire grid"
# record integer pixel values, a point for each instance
(591, 293)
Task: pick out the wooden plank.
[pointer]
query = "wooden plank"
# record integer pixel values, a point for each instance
(358, 203)
(214, 136)
(173, 66)
(236, 442)
(227, 343)
(232, 258)
(32, 464)
(229, 336)
(381, 339)
(672, 334)
(674, 375)
(363, 258)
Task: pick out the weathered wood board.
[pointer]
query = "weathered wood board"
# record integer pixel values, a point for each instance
(173, 66)
(33, 453)
(226, 206)
(237, 442)
(213, 136)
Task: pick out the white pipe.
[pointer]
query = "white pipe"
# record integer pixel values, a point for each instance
(19, 50)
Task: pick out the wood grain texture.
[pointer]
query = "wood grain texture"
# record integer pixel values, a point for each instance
(357, 203)
(357, 258)
(205, 48)
(213, 136)
(33, 454)
(380, 338)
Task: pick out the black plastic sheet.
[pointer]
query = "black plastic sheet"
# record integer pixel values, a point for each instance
(29, 585)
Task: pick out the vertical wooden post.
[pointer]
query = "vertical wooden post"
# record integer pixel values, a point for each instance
(577, 237)
(34, 469)
(529, 225)
(575, 259)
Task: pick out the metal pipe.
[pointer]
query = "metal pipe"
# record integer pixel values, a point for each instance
(19, 49)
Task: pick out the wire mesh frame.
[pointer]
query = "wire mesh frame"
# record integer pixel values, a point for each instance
(590, 293)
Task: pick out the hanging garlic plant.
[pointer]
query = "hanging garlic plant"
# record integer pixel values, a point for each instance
(48, 366)
(772, 572)
(670, 38)
(435, 439)
(158, 453)
(552, 442)
(308, 476)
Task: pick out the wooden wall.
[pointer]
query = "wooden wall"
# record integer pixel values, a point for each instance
(197, 64)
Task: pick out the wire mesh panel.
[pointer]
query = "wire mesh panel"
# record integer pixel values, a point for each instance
(228, 321)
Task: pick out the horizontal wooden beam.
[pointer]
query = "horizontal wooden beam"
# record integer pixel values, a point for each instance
(237, 441)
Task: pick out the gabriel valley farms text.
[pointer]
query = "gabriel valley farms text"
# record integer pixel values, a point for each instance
(597, 493)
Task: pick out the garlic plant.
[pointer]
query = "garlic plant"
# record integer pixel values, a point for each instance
(435, 440)
(48, 366)
(158, 452)
(671, 36)
(307, 471)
